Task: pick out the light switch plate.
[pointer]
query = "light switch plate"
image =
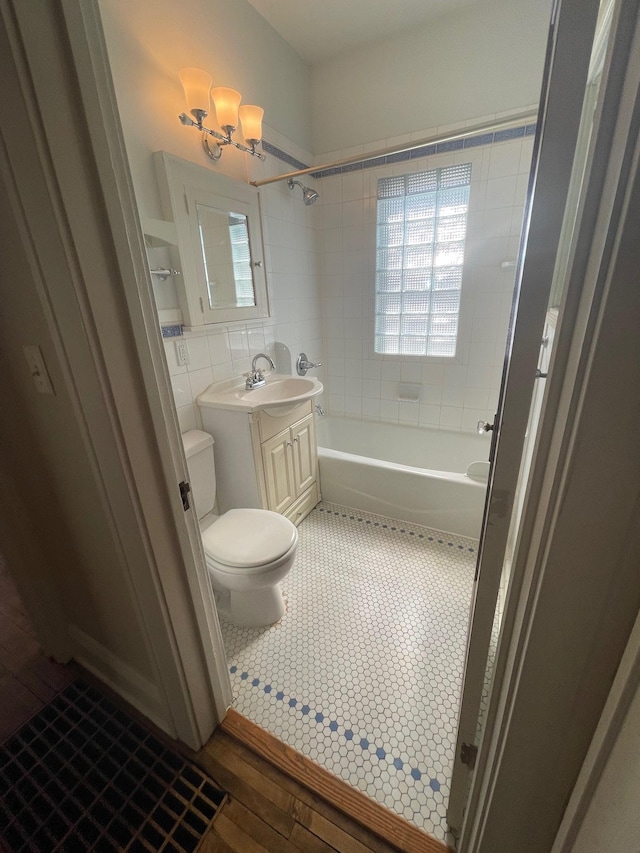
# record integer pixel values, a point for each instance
(38, 369)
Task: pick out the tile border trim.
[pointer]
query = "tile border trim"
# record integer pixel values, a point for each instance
(348, 734)
(425, 151)
(399, 529)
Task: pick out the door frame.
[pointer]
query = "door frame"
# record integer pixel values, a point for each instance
(86, 37)
(588, 640)
(66, 129)
(571, 33)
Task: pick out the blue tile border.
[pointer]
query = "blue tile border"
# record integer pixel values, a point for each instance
(396, 527)
(269, 148)
(399, 157)
(173, 331)
(366, 744)
(427, 150)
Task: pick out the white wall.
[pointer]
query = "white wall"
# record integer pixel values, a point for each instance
(241, 50)
(612, 821)
(499, 51)
(454, 393)
(149, 41)
(470, 63)
(80, 564)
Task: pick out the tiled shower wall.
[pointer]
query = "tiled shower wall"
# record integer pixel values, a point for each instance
(452, 393)
(292, 262)
(320, 264)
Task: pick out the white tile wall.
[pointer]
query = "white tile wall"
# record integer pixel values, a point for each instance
(290, 232)
(453, 394)
(321, 268)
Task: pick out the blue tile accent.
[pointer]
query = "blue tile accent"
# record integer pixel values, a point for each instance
(428, 150)
(334, 170)
(509, 133)
(452, 145)
(424, 151)
(364, 742)
(377, 161)
(171, 331)
(393, 528)
(269, 148)
(174, 331)
(399, 157)
(481, 139)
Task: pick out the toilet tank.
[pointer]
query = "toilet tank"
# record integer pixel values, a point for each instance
(198, 448)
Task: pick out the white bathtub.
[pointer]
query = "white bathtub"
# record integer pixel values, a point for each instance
(419, 475)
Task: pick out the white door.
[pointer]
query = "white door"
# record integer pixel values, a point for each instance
(564, 88)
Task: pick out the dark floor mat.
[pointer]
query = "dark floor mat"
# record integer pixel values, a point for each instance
(83, 775)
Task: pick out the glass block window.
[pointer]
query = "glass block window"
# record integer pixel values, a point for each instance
(421, 228)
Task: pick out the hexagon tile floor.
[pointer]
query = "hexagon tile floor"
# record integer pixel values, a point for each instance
(363, 672)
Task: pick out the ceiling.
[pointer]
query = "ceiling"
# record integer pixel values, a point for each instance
(320, 29)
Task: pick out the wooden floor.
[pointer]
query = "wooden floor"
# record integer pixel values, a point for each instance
(28, 679)
(285, 804)
(268, 810)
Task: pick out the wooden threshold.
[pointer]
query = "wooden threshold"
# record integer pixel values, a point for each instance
(376, 818)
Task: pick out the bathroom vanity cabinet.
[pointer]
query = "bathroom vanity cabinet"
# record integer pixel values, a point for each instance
(266, 459)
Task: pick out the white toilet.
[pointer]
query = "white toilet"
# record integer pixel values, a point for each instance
(248, 551)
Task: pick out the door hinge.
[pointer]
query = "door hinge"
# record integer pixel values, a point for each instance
(185, 488)
(468, 754)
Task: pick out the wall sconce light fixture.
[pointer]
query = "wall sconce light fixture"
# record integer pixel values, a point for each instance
(197, 91)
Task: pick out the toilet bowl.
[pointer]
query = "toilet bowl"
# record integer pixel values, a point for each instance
(248, 551)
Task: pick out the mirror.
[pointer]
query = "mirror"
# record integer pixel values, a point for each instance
(226, 254)
(219, 239)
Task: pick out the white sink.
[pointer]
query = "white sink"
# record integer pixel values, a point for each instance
(280, 391)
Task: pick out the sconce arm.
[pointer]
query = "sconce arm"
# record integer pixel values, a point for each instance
(223, 140)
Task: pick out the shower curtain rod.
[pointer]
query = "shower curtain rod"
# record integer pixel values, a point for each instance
(485, 127)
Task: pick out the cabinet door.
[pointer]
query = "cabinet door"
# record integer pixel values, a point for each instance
(305, 454)
(278, 471)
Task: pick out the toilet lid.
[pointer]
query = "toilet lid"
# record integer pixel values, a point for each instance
(249, 537)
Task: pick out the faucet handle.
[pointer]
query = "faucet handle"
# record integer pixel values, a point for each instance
(303, 364)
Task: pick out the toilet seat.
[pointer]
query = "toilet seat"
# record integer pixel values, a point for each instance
(249, 540)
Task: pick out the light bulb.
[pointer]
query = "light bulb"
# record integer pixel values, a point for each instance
(251, 119)
(197, 85)
(226, 103)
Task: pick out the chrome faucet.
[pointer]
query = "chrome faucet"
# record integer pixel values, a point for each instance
(303, 364)
(261, 355)
(256, 378)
